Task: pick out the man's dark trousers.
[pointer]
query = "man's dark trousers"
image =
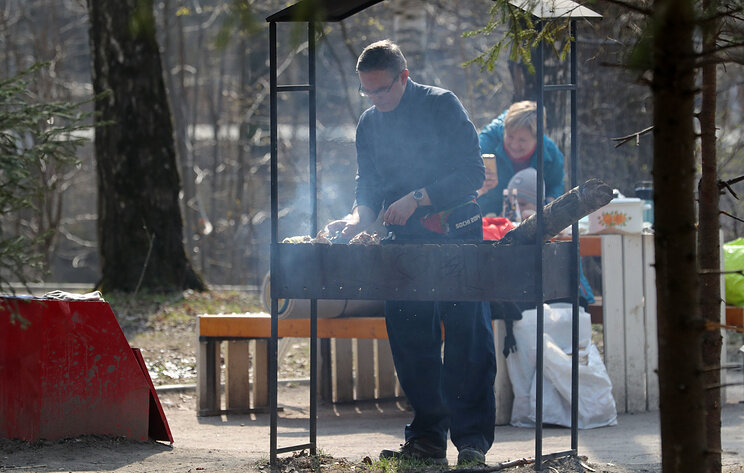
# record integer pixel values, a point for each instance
(457, 394)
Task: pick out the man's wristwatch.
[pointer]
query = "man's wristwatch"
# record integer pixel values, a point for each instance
(418, 197)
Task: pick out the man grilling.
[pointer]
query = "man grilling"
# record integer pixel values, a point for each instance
(419, 162)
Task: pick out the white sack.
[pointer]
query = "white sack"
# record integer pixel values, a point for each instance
(596, 404)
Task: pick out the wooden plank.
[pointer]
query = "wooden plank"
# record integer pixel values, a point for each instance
(343, 370)
(595, 310)
(261, 374)
(502, 385)
(237, 375)
(410, 271)
(635, 328)
(386, 378)
(259, 326)
(365, 378)
(613, 316)
(734, 315)
(207, 376)
(652, 343)
(589, 245)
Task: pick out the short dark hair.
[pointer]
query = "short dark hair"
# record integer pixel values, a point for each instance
(382, 55)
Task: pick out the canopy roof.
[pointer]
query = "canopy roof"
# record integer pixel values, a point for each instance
(552, 9)
(337, 10)
(321, 10)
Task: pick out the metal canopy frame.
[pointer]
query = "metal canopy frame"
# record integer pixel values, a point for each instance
(544, 11)
(273, 341)
(312, 11)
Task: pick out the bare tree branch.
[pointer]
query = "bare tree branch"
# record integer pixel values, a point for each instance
(347, 41)
(732, 216)
(727, 185)
(710, 325)
(735, 180)
(723, 385)
(719, 272)
(346, 88)
(718, 15)
(637, 135)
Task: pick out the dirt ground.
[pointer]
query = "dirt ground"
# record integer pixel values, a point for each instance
(349, 439)
(349, 436)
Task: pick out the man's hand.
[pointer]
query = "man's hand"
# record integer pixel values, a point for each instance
(335, 227)
(351, 225)
(401, 210)
(347, 227)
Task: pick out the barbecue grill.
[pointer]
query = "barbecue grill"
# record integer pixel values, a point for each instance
(418, 271)
(427, 272)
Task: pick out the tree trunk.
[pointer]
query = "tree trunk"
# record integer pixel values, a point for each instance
(179, 102)
(140, 231)
(680, 326)
(409, 31)
(709, 251)
(562, 212)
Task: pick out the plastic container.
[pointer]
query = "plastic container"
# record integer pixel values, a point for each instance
(621, 215)
(645, 192)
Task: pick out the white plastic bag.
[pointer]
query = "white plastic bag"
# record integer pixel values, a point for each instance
(596, 404)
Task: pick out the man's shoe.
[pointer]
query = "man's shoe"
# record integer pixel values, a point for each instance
(470, 456)
(419, 450)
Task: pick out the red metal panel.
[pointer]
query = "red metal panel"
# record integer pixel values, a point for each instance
(158, 426)
(68, 370)
(20, 372)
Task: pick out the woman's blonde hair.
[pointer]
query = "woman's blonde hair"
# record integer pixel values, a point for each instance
(522, 115)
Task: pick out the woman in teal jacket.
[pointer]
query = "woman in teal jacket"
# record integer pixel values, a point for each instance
(512, 138)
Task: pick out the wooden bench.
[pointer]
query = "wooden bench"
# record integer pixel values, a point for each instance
(368, 376)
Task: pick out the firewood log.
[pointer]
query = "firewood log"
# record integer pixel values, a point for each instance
(562, 212)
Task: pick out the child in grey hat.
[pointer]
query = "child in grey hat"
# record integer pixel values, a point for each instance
(520, 195)
(522, 200)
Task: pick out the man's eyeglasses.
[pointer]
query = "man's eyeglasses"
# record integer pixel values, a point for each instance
(382, 90)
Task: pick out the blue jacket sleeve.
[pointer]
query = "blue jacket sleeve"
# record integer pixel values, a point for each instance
(553, 169)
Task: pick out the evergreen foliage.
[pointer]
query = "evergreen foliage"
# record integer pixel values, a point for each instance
(33, 137)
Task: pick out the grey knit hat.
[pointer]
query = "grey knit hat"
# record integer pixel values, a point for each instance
(524, 183)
